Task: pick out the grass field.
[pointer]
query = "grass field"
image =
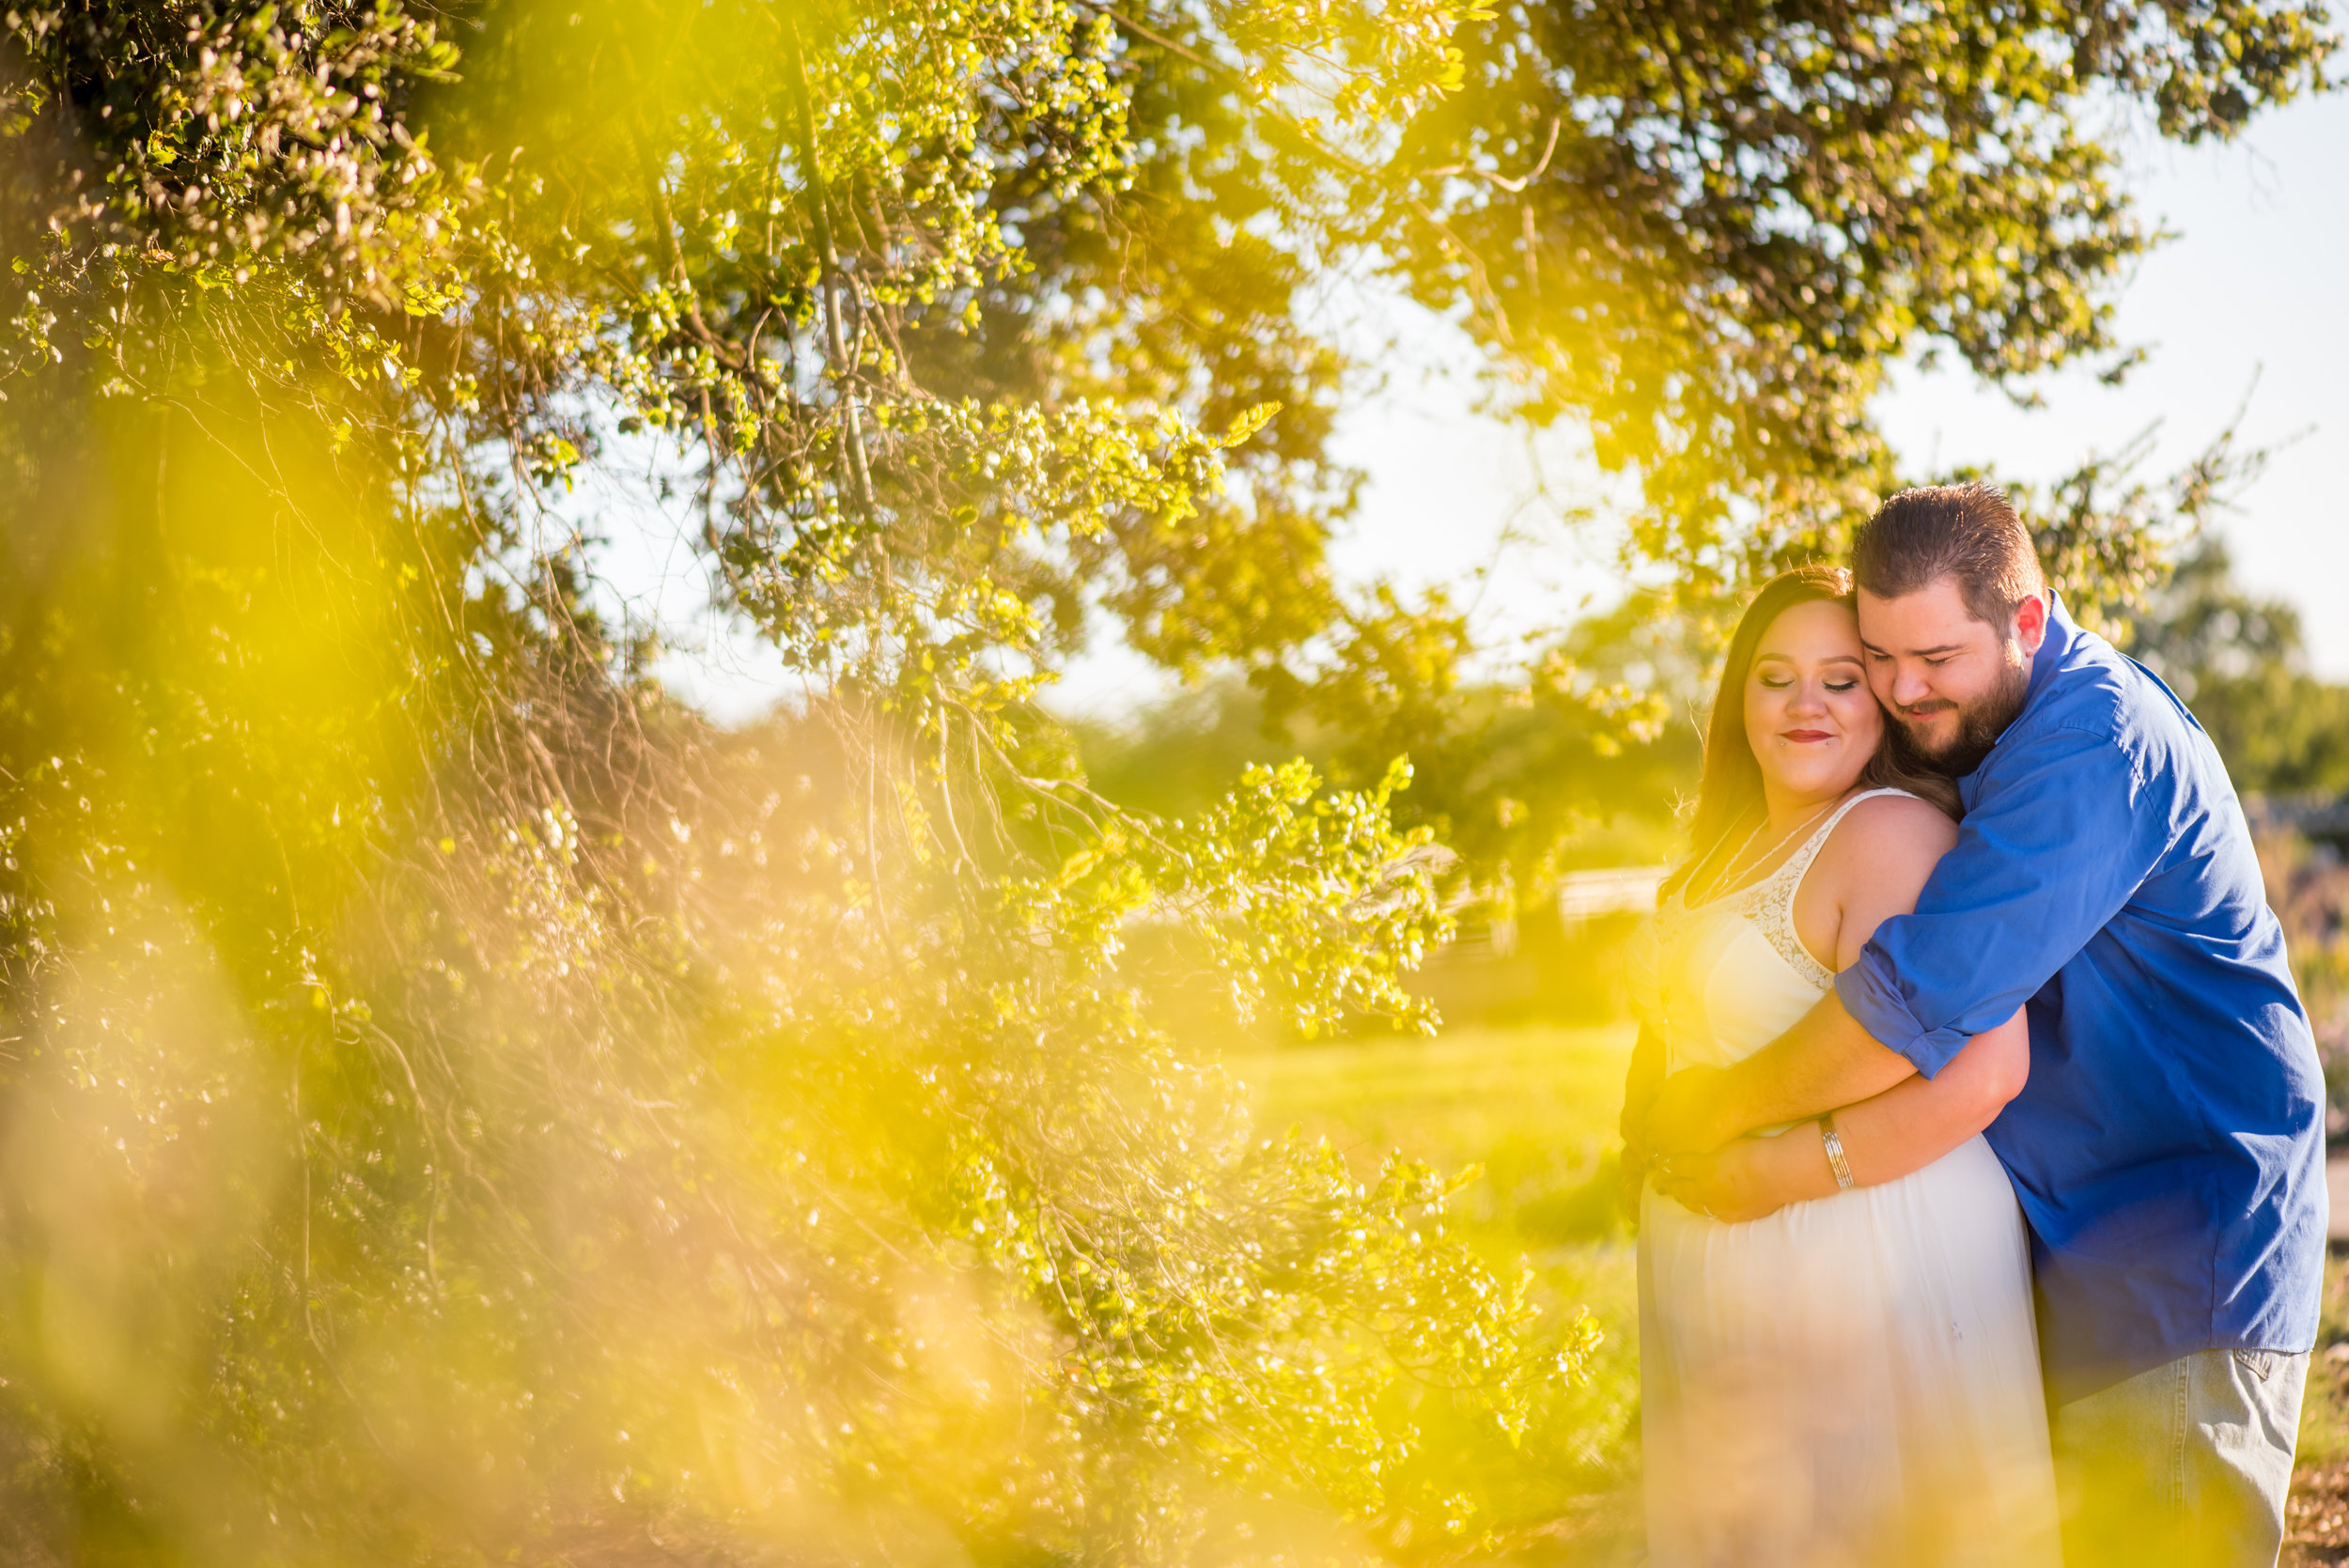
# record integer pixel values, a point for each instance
(1534, 1106)
(1535, 1109)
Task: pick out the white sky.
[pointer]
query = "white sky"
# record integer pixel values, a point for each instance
(2251, 297)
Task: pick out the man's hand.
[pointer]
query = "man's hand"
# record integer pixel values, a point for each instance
(1640, 1082)
(1632, 1174)
(1683, 1116)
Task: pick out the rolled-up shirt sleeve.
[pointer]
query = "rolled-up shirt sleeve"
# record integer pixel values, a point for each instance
(2050, 852)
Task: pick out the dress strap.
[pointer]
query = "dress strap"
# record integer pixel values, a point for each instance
(1797, 864)
(1773, 906)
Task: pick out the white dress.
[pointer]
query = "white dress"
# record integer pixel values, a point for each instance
(1852, 1380)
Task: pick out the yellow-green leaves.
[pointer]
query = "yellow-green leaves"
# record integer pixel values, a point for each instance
(1247, 421)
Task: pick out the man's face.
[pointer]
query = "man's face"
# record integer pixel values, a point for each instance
(1952, 683)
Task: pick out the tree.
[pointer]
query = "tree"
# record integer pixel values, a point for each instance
(463, 1108)
(2240, 662)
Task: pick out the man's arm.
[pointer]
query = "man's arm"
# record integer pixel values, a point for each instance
(1826, 1061)
(2045, 859)
(1919, 1119)
(1905, 1128)
(1871, 868)
(2053, 849)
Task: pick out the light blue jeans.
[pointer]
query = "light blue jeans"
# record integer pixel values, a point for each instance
(2187, 1464)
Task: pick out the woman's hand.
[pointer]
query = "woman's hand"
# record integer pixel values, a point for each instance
(1747, 1178)
(1727, 1185)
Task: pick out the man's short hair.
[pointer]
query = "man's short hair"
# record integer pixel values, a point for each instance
(1967, 533)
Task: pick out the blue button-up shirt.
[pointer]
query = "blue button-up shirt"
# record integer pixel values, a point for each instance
(2169, 1148)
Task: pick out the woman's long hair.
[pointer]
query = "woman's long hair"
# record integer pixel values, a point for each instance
(1730, 798)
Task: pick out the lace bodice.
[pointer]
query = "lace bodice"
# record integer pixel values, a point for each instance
(1722, 978)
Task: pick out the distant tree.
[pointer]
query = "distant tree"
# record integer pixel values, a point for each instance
(1589, 755)
(2240, 662)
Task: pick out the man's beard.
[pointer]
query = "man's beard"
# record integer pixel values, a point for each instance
(1979, 724)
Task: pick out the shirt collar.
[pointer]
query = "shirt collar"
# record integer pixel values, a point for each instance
(2063, 631)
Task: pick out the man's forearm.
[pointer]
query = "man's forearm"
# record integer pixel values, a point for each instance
(1824, 1060)
(1905, 1128)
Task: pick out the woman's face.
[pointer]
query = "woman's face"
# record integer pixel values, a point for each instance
(1809, 717)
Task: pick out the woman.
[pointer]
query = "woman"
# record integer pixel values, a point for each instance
(1839, 1364)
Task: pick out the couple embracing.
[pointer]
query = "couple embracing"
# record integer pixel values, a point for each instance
(1980, 1123)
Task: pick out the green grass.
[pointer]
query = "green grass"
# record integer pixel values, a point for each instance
(1535, 1108)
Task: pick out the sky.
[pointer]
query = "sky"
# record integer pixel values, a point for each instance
(2246, 308)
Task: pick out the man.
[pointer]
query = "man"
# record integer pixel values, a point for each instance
(2167, 1148)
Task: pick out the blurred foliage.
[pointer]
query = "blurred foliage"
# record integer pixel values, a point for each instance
(1533, 1107)
(459, 1107)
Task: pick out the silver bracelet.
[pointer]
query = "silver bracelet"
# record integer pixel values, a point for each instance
(1833, 1142)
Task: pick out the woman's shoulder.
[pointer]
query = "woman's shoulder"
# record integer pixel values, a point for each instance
(1899, 813)
(1894, 835)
